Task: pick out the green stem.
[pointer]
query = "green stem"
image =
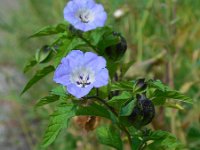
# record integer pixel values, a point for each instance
(86, 41)
(116, 115)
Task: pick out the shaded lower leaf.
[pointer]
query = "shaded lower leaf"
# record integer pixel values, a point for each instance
(58, 120)
(39, 75)
(109, 136)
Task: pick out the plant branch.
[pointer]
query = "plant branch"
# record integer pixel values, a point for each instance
(115, 114)
(86, 41)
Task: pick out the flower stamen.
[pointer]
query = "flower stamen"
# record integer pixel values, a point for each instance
(82, 77)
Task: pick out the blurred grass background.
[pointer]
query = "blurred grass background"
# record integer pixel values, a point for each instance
(163, 42)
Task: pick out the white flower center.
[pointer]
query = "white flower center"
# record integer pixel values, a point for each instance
(82, 77)
(85, 15)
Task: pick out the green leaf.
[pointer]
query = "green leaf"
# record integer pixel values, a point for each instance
(127, 109)
(93, 110)
(164, 140)
(38, 76)
(109, 136)
(46, 100)
(172, 95)
(30, 65)
(60, 91)
(43, 54)
(67, 46)
(136, 138)
(122, 86)
(58, 120)
(50, 30)
(95, 36)
(158, 85)
(158, 100)
(118, 101)
(107, 39)
(163, 92)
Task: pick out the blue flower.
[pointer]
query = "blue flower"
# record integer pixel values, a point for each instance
(85, 15)
(80, 72)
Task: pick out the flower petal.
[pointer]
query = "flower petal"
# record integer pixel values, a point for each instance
(74, 58)
(101, 78)
(77, 91)
(95, 63)
(61, 74)
(99, 16)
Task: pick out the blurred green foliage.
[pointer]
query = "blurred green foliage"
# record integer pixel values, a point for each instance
(163, 43)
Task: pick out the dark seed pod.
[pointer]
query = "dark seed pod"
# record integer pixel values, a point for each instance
(135, 115)
(141, 84)
(143, 112)
(148, 111)
(116, 52)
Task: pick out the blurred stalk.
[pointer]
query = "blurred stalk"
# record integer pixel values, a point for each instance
(141, 25)
(24, 127)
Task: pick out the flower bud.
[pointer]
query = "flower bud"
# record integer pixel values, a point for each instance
(116, 52)
(141, 84)
(43, 54)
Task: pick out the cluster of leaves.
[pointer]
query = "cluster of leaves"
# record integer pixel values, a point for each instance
(116, 102)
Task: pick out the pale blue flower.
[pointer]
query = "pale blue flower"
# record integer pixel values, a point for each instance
(80, 72)
(85, 15)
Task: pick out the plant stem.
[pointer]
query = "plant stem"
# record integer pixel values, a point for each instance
(115, 114)
(86, 41)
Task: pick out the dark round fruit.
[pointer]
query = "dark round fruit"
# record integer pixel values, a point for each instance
(117, 51)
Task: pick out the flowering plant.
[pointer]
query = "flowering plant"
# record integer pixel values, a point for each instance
(86, 59)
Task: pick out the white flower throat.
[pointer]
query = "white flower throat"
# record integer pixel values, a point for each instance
(82, 77)
(85, 15)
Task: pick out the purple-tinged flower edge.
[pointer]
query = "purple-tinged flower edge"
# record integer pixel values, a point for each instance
(85, 15)
(80, 72)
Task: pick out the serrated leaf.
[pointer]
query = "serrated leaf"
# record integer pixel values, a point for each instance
(158, 85)
(58, 120)
(30, 65)
(109, 136)
(173, 95)
(118, 101)
(46, 100)
(50, 30)
(128, 108)
(122, 86)
(164, 140)
(93, 110)
(38, 76)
